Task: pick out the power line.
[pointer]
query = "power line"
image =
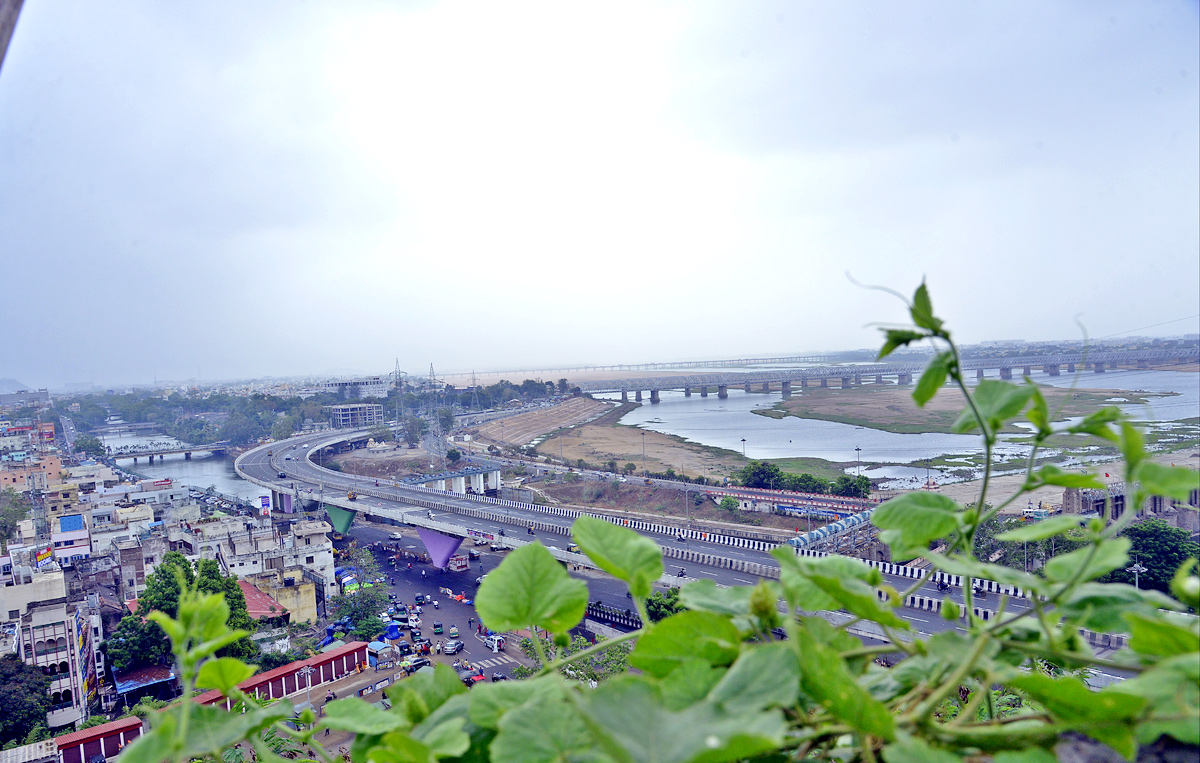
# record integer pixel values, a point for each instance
(1151, 326)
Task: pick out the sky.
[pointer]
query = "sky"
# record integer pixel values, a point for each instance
(231, 190)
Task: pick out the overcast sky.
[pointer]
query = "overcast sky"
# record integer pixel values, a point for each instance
(232, 189)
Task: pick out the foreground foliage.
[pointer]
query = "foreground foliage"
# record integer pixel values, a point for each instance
(714, 685)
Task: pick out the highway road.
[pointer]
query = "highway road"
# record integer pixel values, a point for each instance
(290, 457)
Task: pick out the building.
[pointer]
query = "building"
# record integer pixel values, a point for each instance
(260, 546)
(357, 389)
(28, 399)
(30, 473)
(355, 415)
(293, 589)
(51, 634)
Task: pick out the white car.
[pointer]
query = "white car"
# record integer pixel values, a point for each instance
(395, 536)
(385, 617)
(414, 622)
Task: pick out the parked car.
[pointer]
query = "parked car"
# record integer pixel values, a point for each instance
(452, 647)
(414, 621)
(413, 662)
(495, 642)
(385, 617)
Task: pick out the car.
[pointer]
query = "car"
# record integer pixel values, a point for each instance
(287, 458)
(495, 642)
(413, 662)
(395, 536)
(480, 542)
(479, 580)
(283, 475)
(471, 676)
(453, 646)
(385, 618)
(499, 677)
(472, 554)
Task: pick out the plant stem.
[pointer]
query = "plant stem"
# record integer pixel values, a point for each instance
(921, 713)
(594, 648)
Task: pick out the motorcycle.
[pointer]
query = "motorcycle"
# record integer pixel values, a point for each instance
(681, 573)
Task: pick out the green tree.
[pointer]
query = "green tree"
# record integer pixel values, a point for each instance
(90, 445)
(611, 464)
(760, 474)
(563, 386)
(382, 433)
(414, 427)
(210, 580)
(1158, 547)
(599, 666)
(728, 503)
(806, 483)
(454, 455)
(852, 487)
(284, 428)
(14, 507)
(629, 468)
(24, 697)
(446, 418)
(369, 600)
(661, 605)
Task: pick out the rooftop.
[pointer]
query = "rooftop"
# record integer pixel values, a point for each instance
(259, 604)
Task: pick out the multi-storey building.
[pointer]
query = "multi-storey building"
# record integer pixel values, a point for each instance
(355, 415)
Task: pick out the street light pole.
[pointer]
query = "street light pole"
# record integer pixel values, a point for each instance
(743, 447)
(307, 672)
(644, 472)
(858, 458)
(1136, 569)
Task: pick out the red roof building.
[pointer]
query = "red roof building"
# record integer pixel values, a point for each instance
(259, 604)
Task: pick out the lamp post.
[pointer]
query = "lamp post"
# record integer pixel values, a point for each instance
(1136, 569)
(743, 447)
(644, 453)
(858, 458)
(307, 672)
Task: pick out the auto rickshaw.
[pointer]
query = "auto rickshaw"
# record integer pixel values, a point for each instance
(437, 626)
(453, 631)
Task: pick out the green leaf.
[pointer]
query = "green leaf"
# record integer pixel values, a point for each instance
(689, 683)
(1176, 482)
(961, 565)
(998, 403)
(1099, 606)
(1106, 716)
(1172, 689)
(1044, 529)
(419, 696)
(1098, 424)
(1185, 585)
(706, 596)
(620, 552)
(932, 378)
(914, 750)
(446, 739)
(1052, 475)
(1157, 636)
(1028, 755)
(210, 728)
(911, 521)
(490, 701)
(358, 717)
(223, 674)
(825, 677)
(922, 310)
(1109, 555)
(628, 715)
(1039, 414)
(544, 730)
(899, 338)
(684, 636)
(530, 588)
(764, 676)
(1133, 448)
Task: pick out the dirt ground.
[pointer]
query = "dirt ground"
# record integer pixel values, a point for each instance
(392, 463)
(891, 408)
(526, 427)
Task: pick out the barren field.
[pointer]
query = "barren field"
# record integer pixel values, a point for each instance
(891, 408)
(522, 429)
(389, 464)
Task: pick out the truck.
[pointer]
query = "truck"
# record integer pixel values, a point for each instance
(459, 563)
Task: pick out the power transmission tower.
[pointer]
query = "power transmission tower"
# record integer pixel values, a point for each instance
(438, 443)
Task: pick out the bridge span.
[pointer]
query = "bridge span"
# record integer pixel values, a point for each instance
(903, 373)
(216, 448)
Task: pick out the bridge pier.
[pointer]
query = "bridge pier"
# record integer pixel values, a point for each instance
(458, 484)
(653, 396)
(624, 396)
(494, 480)
(477, 483)
(638, 396)
(704, 390)
(187, 456)
(135, 460)
(979, 374)
(1143, 364)
(803, 382)
(1098, 368)
(824, 382)
(787, 389)
(1005, 373)
(858, 380)
(847, 382)
(766, 386)
(687, 391)
(1028, 371)
(722, 391)
(747, 386)
(1070, 368)
(903, 379)
(879, 378)
(1051, 368)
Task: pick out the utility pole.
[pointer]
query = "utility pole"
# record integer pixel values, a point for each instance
(1136, 569)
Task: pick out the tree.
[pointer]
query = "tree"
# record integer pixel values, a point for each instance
(760, 474)
(90, 445)
(661, 605)
(24, 697)
(382, 433)
(806, 483)
(563, 387)
(14, 507)
(414, 427)
(852, 487)
(629, 468)
(446, 418)
(611, 464)
(368, 600)
(1158, 547)
(210, 580)
(368, 629)
(601, 665)
(728, 503)
(284, 428)
(453, 455)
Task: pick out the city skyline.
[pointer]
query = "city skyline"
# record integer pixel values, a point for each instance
(234, 192)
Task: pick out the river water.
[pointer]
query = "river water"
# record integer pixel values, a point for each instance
(202, 471)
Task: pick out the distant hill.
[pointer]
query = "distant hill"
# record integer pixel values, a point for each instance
(11, 385)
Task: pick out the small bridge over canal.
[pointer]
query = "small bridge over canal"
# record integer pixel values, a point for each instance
(150, 453)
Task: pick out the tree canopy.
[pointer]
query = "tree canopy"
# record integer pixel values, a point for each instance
(24, 697)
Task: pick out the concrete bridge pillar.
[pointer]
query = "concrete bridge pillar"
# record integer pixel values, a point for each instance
(1005, 373)
(638, 396)
(787, 389)
(494, 480)
(135, 460)
(1143, 364)
(187, 456)
(1070, 368)
(847, 382)
(979, 374)
(687, 391)
(722, 391)
(458, 484)
(624, 396)
(766, 386)
(477, 483)
(704, 391)
(747, 386)
(858, 380)
(1051, 368)
(903, 379)
(654, 396)
(879, 378)
(1098, 368)
(1028, 371)
(824, 382)
(439, 484)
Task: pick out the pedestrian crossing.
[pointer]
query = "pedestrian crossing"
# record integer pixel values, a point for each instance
(500, 659)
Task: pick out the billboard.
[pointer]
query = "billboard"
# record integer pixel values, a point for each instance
(45, 556)
(265, 501)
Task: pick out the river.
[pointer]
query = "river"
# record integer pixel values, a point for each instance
(202, 471)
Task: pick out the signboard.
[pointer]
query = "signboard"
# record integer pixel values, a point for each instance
(478, 534)
(265, 500)
(45, 556)
(162, 483)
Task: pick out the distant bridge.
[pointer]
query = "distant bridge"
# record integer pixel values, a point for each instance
(852, 374)
(216, 448)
